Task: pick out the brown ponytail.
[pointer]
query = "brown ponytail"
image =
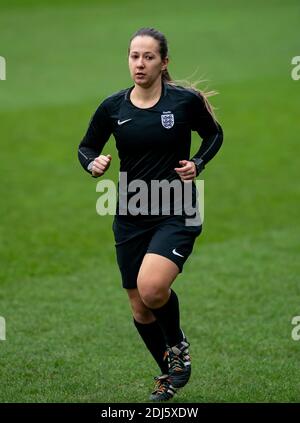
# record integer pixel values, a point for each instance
(166, 77)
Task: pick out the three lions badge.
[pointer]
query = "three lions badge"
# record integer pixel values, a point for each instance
(167, 120)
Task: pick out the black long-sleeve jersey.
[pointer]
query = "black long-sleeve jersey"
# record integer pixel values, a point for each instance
(152, 141)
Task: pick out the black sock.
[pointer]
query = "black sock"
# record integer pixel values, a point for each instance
(154, 340)
(169, 319)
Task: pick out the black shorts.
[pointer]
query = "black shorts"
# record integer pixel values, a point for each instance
(168, 237)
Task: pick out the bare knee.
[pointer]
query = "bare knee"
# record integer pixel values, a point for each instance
(152, 292)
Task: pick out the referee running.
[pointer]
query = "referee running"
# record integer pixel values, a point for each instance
(152, 123)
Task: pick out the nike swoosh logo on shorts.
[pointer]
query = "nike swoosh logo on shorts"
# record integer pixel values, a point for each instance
(176, 254)
(120, 122)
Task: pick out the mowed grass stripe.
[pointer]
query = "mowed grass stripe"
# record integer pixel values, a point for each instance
(66, 52)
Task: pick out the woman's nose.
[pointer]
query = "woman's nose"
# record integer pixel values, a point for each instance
(140, 63)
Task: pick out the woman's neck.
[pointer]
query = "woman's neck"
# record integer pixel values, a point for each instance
(146, 97)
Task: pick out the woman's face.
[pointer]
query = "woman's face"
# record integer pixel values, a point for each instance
(144, 61)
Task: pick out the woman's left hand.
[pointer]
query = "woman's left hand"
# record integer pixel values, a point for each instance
(188, 170)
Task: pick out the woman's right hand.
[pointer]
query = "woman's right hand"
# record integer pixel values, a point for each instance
(101, 164)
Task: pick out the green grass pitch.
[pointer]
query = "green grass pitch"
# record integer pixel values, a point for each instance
(69, 332)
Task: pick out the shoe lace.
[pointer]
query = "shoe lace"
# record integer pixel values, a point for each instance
(176, 361)
(161, 384)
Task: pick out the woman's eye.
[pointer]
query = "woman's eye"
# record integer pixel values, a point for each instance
(149, 57)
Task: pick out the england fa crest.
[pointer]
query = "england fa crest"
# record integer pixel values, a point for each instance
(167, 120)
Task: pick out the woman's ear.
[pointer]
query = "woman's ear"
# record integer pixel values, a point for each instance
(165, 64)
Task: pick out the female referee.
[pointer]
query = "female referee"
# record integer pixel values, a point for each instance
(152, 123)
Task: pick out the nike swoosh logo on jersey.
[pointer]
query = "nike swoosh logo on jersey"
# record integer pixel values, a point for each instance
(120, 122)
(176, 254)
